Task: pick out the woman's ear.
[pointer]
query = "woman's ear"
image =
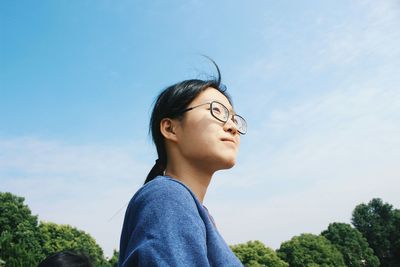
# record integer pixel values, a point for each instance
(167, 129)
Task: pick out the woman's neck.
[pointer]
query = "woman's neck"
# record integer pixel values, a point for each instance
(192, 176)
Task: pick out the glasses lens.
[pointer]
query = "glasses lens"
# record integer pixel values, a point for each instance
(240, 123)
(219, 111)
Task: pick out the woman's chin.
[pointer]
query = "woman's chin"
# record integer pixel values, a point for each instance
(229, 163)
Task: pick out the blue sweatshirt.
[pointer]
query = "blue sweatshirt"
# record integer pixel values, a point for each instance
(166, 225)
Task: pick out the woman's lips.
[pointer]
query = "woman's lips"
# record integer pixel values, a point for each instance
(228, 140)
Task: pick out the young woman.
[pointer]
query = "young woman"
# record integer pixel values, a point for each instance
(196, 133)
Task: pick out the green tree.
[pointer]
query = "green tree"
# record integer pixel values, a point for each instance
(351, 243)
(255, 253)
(57, 238)
(380, 225)
(19, 234)
(113, 261)
(310, 250)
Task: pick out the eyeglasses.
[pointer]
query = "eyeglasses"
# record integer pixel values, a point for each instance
(221, 113)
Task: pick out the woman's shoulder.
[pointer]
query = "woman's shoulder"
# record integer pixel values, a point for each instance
(164, 189)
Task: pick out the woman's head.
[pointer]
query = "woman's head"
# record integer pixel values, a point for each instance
(66, 259)
(172, 104)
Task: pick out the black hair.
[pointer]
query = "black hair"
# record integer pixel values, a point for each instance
(66, 258)
(170, 103)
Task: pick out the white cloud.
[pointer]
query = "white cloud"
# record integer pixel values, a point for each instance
(81, 185)
(371, 34)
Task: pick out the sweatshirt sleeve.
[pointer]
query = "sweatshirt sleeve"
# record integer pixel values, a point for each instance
(163, 227)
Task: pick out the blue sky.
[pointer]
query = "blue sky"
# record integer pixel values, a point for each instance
(318, 82)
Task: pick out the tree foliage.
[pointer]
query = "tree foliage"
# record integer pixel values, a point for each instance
(256, 254)
(310, 250)
(55, 238)
(113, 261)
(24, 242)
(380, 225)
(19, 235)
(351, 243)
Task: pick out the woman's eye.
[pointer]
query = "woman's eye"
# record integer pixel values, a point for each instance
(216, 110)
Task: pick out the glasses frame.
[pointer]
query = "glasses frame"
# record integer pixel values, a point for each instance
(233, 117)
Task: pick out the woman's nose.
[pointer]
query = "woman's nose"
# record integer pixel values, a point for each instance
(230, 126)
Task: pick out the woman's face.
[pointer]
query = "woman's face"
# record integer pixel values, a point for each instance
(205, 141)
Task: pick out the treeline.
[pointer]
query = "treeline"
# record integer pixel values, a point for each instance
(25, 242)
(372, 240)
